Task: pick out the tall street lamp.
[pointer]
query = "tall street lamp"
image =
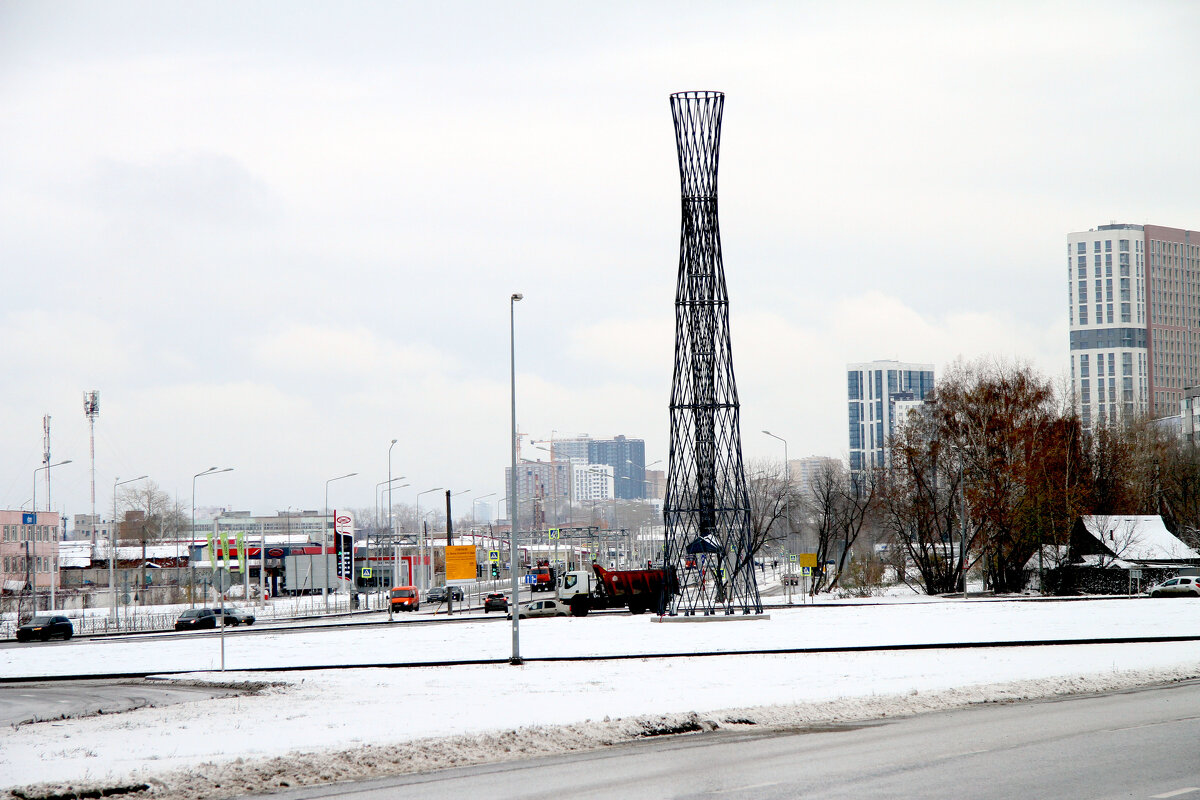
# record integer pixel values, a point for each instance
(421, 539)
(325, 541)
(390, 446)
(379, 492)
(515, 502)
(192, 538)
(112, 545)
(46, 467)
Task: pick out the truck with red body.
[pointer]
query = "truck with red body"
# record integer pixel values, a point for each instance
(544, 576)
(638, 590)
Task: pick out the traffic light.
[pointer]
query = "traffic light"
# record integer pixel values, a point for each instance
(495, 570)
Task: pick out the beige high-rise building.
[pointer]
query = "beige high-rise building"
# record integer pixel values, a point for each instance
(1134, 293)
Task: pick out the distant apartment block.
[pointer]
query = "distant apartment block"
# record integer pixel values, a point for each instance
(873, 390)
(29, 550)
(627, 457)
(591, 482)
(805, 470)
(1134, 295)
(541, 480)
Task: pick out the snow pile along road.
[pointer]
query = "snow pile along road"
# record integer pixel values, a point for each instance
(323, 725)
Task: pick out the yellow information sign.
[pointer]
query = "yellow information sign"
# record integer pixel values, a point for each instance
(808, 559)
(460, 562)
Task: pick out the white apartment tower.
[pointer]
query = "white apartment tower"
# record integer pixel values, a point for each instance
(873, 389)
(1134, 293)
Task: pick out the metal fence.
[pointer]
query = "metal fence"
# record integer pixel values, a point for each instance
(137, 621)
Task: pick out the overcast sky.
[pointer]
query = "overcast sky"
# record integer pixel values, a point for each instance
(276, 236)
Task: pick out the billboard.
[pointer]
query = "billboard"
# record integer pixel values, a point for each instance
(460, 562)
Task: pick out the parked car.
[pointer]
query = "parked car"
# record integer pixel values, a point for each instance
(44, 627)
(540, 608)
(1183, 586)
(438, 594)
(405, 598)
(495, 602)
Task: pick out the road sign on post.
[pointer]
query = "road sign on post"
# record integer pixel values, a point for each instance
(494, 556)
(553, 532)
(222, 580)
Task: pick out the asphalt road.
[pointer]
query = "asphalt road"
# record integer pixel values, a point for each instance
(1136, 744)
(36, 702)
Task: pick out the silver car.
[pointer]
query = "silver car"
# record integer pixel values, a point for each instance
(1183, 586)
(541, 608)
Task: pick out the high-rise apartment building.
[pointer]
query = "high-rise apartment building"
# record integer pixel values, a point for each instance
(873, 389)
(591, 482)
(627, 457)
(1134, 293)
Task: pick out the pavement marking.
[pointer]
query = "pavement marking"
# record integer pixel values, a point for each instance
(1176, 793)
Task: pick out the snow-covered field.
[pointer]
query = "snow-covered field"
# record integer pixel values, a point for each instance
(376, 721)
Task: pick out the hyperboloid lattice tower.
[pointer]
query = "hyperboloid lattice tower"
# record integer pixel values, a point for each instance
(707, 508)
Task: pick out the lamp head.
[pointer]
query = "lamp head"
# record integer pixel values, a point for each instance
(517, 296)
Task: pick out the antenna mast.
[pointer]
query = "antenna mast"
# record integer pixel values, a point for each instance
(91, 409)
(46, 457)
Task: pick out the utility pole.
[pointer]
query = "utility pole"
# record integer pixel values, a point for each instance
(449, 541)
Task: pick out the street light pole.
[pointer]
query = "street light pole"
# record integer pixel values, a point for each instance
(46, 467)
(514, 502)
(192, 536)
(112, 545)
(421, 538)
(325, 542)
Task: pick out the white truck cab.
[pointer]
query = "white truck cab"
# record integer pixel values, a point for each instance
(576, 582)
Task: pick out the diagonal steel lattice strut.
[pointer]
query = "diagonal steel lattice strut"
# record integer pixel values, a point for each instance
(707, 508)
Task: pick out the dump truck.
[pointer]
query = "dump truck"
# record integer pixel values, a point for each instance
(639, 590)
(544, 576)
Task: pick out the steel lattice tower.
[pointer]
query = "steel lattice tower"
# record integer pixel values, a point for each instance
(707, 508)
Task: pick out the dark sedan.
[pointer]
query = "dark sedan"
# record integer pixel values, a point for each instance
(44, 627)
(495, 602)
(195, 619)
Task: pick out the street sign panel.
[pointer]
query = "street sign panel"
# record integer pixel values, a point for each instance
(366, 572)
(494, 556)
(808, 559)
(222, 580)
(529, 579)
(553, 534)
(793, 559)
(806, 571)
(460, 562)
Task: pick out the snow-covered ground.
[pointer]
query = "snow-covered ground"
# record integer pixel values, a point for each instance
(252, 742)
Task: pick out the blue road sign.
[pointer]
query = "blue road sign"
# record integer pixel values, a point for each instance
(529, 579)
(29, 519)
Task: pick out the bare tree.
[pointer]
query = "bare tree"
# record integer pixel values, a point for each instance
(838, 506)
(151, 515)
(771, 500)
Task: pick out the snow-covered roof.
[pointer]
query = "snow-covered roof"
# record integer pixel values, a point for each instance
(1052, 555)
(75, 553)
(1138, 538)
